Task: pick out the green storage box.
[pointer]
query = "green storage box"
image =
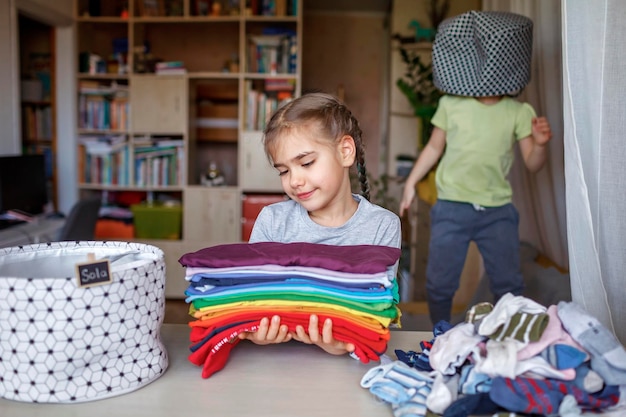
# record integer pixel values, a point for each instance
(157, 220)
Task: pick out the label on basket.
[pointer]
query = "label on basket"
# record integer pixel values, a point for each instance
(94, 273)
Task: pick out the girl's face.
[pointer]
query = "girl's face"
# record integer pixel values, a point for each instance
(315, 173)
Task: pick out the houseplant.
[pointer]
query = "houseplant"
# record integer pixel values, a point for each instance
(418, 87)
(417, 82)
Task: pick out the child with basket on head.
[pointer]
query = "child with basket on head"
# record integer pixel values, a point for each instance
(481, 60)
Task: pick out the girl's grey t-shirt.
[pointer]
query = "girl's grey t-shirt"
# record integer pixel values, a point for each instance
(289, 222)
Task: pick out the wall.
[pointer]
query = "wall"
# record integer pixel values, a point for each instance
(349, 48)
(9, 77)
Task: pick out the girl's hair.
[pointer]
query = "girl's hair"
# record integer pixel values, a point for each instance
(328, 117)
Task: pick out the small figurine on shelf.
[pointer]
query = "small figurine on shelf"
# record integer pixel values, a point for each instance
(231, 65)
(213, 176)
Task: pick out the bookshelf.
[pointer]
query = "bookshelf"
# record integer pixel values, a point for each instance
(38, 130)
(168, 89)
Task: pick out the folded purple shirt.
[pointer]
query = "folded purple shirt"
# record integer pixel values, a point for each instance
(366, 259)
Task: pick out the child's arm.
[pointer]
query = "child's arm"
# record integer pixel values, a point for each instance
(426, 160)
(533, 147)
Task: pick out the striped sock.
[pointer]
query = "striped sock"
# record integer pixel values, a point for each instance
(405, 388)
(543, 396)
(563, 356)
(524, 327)
(415, 406)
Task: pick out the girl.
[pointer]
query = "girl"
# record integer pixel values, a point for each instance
(313, 141)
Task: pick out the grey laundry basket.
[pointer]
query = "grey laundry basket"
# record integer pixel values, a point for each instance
(60, 342)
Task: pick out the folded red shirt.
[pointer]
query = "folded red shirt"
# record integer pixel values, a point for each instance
(213, 353)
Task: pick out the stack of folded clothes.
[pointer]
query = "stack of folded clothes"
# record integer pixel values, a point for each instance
(233, 286)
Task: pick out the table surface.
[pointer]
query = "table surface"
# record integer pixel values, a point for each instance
(290, 379)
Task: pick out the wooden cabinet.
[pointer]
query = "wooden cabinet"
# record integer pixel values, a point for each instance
(255, 171)
(159, 104)
(213, 214)
(192, 83)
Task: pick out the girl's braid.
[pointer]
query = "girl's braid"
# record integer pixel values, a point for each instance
(361, 170)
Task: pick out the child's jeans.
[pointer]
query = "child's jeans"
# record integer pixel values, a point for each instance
(453, 226)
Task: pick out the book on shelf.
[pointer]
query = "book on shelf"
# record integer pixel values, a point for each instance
(273, 7)
(158, 167)
(170, 67)
(280, 84)
(280, 7)
(158, 161)
(157, 141)
(104, 160)
(149, 8)
(37, 123)
(272, 53)
(99, 114)
(96, 87)
(102, 105)
(171, 71)
(169, 64)
(102, 144)
(261, 104)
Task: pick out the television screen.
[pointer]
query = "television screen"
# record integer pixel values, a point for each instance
(23, 183)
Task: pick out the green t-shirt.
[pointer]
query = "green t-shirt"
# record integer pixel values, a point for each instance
(479, 148)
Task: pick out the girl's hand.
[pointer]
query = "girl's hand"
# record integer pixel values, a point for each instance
(325, 340)
(268, 332)
(541, 130)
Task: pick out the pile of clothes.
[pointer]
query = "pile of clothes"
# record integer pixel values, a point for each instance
(233, 286)
(515, 358)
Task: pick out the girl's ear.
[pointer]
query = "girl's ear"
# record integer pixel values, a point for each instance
(347, 148)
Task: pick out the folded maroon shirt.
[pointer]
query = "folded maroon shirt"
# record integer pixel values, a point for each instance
(364, 259)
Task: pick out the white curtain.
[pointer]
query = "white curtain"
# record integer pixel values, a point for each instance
(579, 80)
(540, 197)
(594, 79)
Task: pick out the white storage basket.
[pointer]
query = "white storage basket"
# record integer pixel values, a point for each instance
(60, 342)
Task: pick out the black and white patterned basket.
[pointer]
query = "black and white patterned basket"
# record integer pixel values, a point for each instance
(480, 54)
(60, 342)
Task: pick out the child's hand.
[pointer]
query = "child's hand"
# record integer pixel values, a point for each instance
(325, 340)
(407, 197)
(268, 332)
(541, 130)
